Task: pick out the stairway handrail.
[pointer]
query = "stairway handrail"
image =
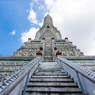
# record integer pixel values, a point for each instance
(83, 77)
(43, 45)
(21, 74)
(52, 46)
(87, 73)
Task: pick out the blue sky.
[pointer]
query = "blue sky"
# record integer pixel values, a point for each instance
(13, 17)
(21, 19)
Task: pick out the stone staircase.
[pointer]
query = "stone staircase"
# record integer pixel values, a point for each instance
(48, 55)
(51, 80)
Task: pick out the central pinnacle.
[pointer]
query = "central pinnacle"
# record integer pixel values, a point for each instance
(48, 19)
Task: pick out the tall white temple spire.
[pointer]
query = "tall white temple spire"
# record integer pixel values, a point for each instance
(48, 19)
(48, 30)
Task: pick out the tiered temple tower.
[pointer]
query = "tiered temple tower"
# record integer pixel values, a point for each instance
(47, 65)
(48, 32)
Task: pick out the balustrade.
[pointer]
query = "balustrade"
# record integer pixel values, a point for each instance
(14, 80)
(85, 78)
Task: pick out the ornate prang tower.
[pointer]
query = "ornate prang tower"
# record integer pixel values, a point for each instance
(47, 65)
(48, 32)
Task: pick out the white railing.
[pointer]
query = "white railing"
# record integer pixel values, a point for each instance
(43, 45)
(43, 52)
(83, 77)
(10, 85)
(52, 46)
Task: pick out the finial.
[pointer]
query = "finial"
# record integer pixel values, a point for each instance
(48, 19)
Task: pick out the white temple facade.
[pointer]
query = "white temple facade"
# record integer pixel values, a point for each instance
(48, 32)
(47, 65)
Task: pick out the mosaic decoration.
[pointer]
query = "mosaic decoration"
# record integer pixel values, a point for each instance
(67, 48)
(9, 67)
(28, 49)
(90, 65)
(11, 70)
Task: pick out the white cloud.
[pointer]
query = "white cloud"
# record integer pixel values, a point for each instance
(76, 20)
(40, 7)
(28, 34)
(40, 24)
(32, 16)
(13, 33)
(35, 0)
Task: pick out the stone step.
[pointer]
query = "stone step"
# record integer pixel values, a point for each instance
(45, 77)
(49, 63)
(54, 93)
(41, 77)
(50, 80)
(40, 71)
(49, 49)
(48, 57)
(50, 77)
(48, 60)
(48, 52)
(38, 84)
(47, 70)
(57, 72)
(50, 66)
(50, 74)
(54, 89)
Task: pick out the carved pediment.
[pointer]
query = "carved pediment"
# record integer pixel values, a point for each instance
(48, 35)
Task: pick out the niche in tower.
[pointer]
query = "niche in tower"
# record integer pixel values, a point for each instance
(48, 27)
